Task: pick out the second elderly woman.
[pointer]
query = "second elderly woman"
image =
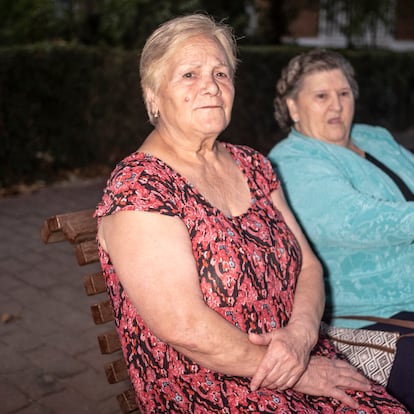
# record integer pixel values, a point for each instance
(217, 295)
(351, 186)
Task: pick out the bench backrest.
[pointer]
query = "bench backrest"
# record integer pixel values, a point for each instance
(79, 229)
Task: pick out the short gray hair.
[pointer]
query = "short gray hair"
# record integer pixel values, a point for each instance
(165, 40)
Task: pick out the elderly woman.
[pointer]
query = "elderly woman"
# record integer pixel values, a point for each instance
(351, 188)
(216, 293)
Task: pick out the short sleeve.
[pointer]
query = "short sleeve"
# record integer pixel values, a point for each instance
(141, 183)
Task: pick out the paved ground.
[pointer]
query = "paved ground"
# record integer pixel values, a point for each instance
(49, 357)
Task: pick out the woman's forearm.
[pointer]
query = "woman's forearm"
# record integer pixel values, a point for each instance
(309, 302)
(214, 343)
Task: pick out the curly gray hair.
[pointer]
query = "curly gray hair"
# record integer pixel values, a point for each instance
(290, 81)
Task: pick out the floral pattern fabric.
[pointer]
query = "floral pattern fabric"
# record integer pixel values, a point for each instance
(248, 266)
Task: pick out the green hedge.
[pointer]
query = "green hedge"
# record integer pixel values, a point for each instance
(66, 107)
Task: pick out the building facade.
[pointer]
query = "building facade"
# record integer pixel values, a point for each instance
(325, 22)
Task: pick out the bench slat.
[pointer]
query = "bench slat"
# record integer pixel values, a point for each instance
(102, 312)
(109, 342)
(94, 283)
(116, 371)
(86, 252)
(127, 401)
(76, 227)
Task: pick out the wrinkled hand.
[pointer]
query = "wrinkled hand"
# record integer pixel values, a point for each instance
(330, 378)
(285, 361)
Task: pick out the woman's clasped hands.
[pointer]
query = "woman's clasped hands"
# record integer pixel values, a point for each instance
(285, 361)
(287, 364)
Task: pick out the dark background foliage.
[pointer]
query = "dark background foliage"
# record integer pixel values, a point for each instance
(68, 107)
(69, 89)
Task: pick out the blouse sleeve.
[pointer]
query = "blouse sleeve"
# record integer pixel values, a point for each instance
(140, 185)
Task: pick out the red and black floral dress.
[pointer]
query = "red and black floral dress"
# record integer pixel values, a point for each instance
(247, 267)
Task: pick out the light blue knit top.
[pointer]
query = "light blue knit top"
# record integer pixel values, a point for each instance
(356, 218)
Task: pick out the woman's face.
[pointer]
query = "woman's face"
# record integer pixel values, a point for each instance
(324, 107)
(196, 93)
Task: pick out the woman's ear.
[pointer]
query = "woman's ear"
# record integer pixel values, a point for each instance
(293, 110)
(151, 101)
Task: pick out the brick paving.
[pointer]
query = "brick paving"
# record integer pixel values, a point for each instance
(49, 357)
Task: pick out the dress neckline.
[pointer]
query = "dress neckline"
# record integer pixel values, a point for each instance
(231, 149)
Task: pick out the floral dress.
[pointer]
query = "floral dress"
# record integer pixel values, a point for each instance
(248, 267)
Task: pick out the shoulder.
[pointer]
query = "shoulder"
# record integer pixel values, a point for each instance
(254, 164)
(249, 158)
(293, 146)
(298, 151)
(141, 170)
(377, 141)
(245, 153)
(364, 134)
(135, 165)
(141, 182)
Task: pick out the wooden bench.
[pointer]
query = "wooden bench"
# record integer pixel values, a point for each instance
(79, 229)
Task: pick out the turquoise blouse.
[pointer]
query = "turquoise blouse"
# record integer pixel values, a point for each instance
(355, 217)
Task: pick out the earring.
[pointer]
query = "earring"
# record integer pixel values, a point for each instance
(156, 114)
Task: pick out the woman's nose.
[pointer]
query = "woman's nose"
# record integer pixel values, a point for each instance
(336, 102)
(211, 86)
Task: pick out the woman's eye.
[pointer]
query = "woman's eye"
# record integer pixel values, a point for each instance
(221, 75)
(321, 95)
(188, 75)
